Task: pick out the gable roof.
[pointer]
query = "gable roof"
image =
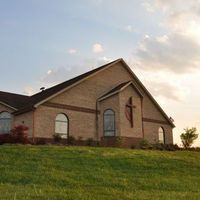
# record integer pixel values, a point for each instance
(43, 96)
(12, 100)
(118, 89)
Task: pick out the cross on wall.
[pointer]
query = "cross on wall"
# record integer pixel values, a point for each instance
(129, 111)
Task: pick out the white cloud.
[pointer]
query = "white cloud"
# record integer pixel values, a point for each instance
(97, 48)
(129, 28)
(28, 90)
(49, 71)
(174, 52)
(72, 51)
(178, 49)
(105, 59)
(148, 6)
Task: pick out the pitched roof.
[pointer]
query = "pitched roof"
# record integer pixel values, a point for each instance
(118, 89)
(31, 101)
(15, 101)
(36, 98)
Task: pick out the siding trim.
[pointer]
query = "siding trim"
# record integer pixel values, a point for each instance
(70, 107)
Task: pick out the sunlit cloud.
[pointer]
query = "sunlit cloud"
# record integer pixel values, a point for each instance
(97, 48)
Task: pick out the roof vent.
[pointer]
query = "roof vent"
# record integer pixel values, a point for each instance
(42, 89)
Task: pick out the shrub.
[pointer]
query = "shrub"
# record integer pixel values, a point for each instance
(119, 141)
(90, 142)
(19, 134)
(188, 137)
(40, 141)
(165, 147)
(132, 146)
(71, 140)
(57, 137)
(144, 144)
(5, 138)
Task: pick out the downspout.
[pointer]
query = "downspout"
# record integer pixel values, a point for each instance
(33, 128)
(142, 118)
(97, 120)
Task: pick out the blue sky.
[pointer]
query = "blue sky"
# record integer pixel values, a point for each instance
(36, 35)
(44, 42)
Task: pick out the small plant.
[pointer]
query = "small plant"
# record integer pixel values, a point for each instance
(57, 137)
(90, 142)
(119, 141)
(20, 134)
(40, 141)
(188, 137)
(71, 140)
(144, 144)
(132, 146)
(165, 147)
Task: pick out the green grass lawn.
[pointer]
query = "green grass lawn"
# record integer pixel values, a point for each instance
(58, 172)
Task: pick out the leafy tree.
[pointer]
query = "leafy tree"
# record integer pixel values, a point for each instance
(189, 136)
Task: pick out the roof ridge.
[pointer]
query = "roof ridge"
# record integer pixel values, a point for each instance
(76, 77)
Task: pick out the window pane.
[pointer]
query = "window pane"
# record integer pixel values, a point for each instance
(109, 123)
(5, 122)
(61, 125)
(161, 135)
(109, 133)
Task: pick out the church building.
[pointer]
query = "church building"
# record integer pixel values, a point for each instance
(103, 104)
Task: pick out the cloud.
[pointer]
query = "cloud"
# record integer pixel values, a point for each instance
(148, 6)
(178, 49)
(164, 89)
(72, 51)
(104, 59)
(97, 48)
(49, 71)
(174, 52)
(128, 28)
(59, 74)
(28, 90)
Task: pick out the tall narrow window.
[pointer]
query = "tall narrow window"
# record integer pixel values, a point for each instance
(61, 125)
(161, 135)
(5, 122)
(109, 123)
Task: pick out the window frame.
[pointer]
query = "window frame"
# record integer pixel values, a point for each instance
(10, 122)
(104, 130)
(163, 132)
(67, 122)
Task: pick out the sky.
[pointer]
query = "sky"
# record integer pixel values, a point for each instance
(45, 42)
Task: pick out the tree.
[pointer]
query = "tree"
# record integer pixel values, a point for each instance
(189, 136)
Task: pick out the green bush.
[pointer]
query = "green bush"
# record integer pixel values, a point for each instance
(144, 144)
(165, 147)
(90, 142)
(188, 137)
(119, 141)
(71, 140)
(57, 137)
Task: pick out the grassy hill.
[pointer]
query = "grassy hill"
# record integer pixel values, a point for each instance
(58, 172)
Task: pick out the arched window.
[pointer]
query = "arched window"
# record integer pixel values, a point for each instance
(5, 122)
(109, 123)
(61, 125)
(161, 135)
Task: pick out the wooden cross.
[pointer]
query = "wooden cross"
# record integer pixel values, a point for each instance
(129, 111)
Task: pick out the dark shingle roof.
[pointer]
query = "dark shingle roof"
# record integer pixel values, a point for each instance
(14, 100)
(36, 98)
(115, 89)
